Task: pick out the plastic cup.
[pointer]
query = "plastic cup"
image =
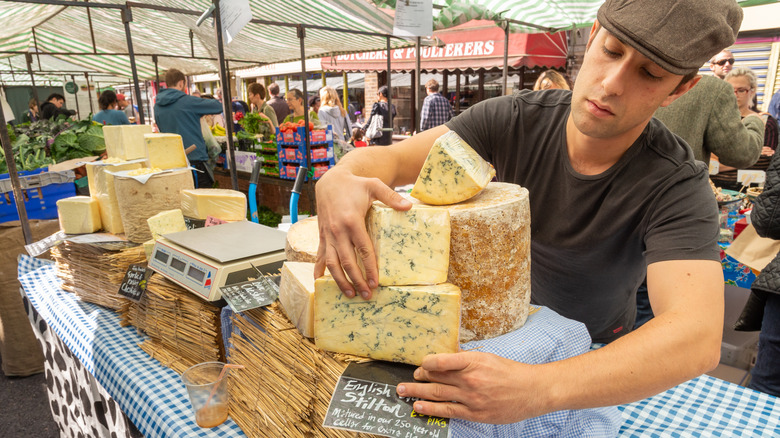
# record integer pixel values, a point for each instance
(207, 387)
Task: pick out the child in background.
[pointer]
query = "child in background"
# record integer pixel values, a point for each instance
(357, 138)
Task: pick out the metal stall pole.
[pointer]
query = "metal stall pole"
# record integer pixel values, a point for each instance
(307, 133)
(28, 58)
(78, 111)
(226, 100)
(390, 88)
(156, 74)
(506, 58)
(345, 94)
(17, 188)
(417, 84)
(89, 93)
(127, 17)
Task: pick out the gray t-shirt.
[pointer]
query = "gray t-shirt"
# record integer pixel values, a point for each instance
(592, 236)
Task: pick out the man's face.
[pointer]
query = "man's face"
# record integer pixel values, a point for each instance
(58, 102)
(722, 64)
(618, 89)
(121, 103)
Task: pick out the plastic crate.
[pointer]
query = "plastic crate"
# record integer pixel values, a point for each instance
(40, 189)
(318, 136)
(289, 171)
(293, 154)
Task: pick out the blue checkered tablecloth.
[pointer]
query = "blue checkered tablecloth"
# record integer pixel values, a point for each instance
(151, 395)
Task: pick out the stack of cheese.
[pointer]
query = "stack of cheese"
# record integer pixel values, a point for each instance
(223, 204)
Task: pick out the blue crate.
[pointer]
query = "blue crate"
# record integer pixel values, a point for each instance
(289, 171)
(297, 137)
(296, 154)
(41, 191)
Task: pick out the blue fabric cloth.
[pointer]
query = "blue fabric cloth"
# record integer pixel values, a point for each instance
(179, 113)
(111, 117)
(436, 111)
(765, 377)
(774, 107)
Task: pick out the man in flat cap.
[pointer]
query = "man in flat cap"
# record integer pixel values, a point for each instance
(614, 196)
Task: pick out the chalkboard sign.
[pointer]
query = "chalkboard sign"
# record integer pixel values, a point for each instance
(134, 284)
(365, 401)
(250, 294)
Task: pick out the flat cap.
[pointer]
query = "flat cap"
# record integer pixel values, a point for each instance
(678, 35)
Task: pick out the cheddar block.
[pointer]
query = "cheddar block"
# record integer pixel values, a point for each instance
(101, 187)
(126, 142)
(398, 324)
(79, 215)
(164, 222)
(229, 205)
(452, 173)
(296, 295)
(412, 247)
(165, 151)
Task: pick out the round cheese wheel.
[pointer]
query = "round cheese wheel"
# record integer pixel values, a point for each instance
(303, 239)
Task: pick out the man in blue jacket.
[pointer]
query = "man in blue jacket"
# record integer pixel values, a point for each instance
(178, 113)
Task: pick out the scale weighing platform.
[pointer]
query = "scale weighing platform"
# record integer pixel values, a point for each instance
(204, 259)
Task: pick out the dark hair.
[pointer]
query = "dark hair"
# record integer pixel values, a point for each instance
(257, 88)
(383, 90)
(207, 96)
(106, 98)
(357, 134)
(296, 93)
(313, 100)
(273, 89)
(172, 77)
(32, 103)
(57, 96)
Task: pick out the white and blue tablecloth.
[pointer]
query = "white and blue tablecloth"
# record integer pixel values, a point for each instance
(156, 401)
(151, 395)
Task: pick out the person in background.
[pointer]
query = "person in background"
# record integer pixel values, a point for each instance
(257, 94)
(295, 103)
(31, 115)
(108, 114)
(636, 203)
(774, 106)
(381, 108)
(332, 113)
(196, 93)
(179, 113)
(218, 94)
(352, 110)
(314, 106)
(722, 63)
(436, 109)
(551, 79)
(744, 83)
(54, 107)
(357, 138)
(277, 103)
(124, 105)
(212, 145)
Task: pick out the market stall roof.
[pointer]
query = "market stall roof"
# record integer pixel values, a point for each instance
(94, 37)
(475, 45)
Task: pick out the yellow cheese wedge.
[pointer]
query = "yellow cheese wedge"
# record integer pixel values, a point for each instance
(296, 295)
(165, 151)
(149, 248)
(79, 215)
(101, 187)
(164, 222)
(126, 142)
(398, 323)
(229, 205)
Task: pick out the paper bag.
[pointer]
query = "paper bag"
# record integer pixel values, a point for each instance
(752, 250)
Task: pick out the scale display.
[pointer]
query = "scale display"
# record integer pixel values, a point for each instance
(204, 259)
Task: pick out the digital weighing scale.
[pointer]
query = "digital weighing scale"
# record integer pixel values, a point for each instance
(204, 259)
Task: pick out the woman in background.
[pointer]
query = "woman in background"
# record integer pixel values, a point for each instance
(333, 113)
(32, 112)
(549, 80)
(109, 115)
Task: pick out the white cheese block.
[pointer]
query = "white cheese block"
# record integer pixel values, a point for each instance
(398, 323)
(79, 215)
(101, 187)
(140, 201)
(490, 260)
(303, 240)
(126, 142)
(228, 205)
(165, 151)
(412, 247)
(164, 222)
(148, 249)
(296, 295)
(453, 172)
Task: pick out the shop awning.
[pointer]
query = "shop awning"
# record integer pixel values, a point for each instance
(474, 45)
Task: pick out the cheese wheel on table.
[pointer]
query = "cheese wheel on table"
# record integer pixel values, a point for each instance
(303, 240)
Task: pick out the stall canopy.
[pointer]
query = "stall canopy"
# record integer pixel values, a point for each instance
(475, 45)
(94, 37)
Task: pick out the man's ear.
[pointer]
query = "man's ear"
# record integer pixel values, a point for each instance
(681, 89)
(593, 31)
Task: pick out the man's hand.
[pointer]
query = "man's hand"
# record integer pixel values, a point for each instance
(476, 386)
(342, 202)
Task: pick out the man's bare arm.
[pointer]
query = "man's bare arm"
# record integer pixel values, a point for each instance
(344, 195)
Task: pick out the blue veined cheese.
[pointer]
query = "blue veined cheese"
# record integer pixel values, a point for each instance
(412, 247)
(453, 172)
(398, 324)
(296, 295)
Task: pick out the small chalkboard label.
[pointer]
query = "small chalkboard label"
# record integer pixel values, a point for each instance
(365, 401)
(250, 294)
(134, 284)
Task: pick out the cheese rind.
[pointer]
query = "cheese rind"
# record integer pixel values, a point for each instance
(164, 222)
(126, 142)
(229, 205)
(101, 187)
(165, 151)
(296, 295)
(453, 172)
(398, 324)
(412, 247)
(79, 215)
(303, 240)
